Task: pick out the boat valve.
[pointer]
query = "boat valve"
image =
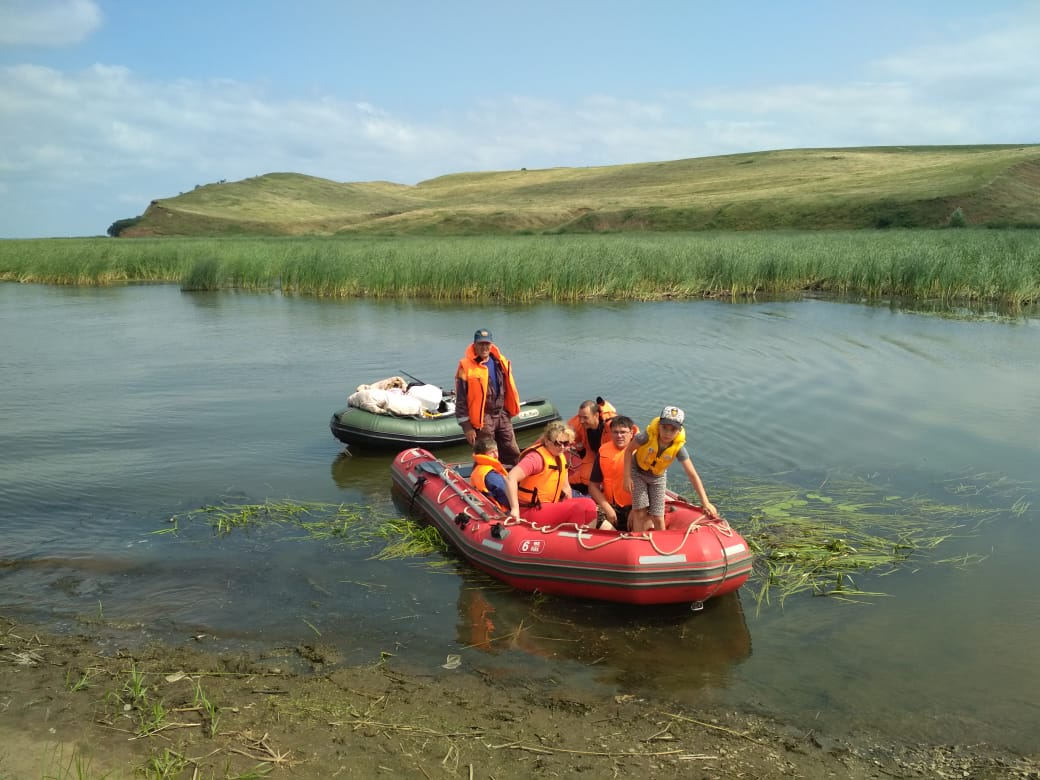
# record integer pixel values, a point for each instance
(461, 519)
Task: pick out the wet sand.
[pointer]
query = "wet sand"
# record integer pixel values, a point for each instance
(75, 706)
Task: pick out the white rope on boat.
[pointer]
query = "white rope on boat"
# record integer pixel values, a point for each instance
(689, 529)
(719, 525)
(608, 540)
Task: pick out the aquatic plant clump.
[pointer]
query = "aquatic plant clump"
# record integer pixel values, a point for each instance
(353, 525)
(815, 541)
(818, 540)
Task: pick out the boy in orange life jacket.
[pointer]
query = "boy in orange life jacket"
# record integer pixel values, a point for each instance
(486, 399)
(489, 475)
(647, 458)
(606, 481)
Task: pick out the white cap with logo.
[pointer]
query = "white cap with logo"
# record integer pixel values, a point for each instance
(673, 415)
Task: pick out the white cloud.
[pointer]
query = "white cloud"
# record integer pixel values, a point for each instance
(104, 135)
(1004, 59)
(47, 22)
(982, 90)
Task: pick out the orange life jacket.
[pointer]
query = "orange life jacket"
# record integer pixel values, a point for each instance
(546, 486)
(581, 468)
(475, 376)
(478, 478)
(612, 467)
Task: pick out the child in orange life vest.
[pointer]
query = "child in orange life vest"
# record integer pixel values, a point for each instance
(607, 477)
(489, 475)
(538, 488)
(647, 458)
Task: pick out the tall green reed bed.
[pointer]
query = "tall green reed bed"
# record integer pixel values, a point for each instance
(945, 265)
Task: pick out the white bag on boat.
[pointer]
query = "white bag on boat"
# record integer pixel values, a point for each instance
(403, 405)
(390, 383)
(378, 401)
(371, 399)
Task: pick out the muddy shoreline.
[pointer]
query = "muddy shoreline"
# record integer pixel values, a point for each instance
(75, 706)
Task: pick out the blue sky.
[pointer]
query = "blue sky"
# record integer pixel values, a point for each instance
(107, 104)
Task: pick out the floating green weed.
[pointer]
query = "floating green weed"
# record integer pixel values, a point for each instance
(816, 540)
(408, 539)
(226, 518)
(350, 524)
(806, 540)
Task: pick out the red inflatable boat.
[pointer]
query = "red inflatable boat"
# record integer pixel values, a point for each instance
(696, 558)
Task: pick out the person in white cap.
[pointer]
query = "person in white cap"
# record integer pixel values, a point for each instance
(647, 458)
(486, 398)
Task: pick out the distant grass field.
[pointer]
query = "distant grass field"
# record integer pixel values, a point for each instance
(800, 189)
(1001, 266)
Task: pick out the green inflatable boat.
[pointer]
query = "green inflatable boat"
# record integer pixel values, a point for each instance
(356, 426)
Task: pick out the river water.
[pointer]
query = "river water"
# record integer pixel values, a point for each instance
(122, 407)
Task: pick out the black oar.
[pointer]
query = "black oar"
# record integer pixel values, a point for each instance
(413, 378)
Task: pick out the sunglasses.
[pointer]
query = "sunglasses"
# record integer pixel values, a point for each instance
(562, 443)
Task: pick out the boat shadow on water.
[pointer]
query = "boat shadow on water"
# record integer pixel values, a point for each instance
(363, 471)
(665, 648)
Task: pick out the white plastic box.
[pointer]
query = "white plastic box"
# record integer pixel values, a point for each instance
(430, 396)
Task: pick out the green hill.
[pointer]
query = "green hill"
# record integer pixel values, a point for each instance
(865, 187)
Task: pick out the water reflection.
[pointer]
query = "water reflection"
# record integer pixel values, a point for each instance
(365, 473)
(629, 646)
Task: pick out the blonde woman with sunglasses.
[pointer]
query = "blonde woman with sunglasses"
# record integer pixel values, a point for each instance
(537, 485)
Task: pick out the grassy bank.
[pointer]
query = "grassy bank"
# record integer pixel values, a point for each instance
(795, 189)
(1001, 266)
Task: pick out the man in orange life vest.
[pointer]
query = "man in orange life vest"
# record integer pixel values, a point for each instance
(589, 426)
(486, 398)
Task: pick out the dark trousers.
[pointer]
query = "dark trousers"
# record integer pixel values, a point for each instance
(499, 426)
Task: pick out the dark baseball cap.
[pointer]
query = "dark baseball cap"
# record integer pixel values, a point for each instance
(482, 335)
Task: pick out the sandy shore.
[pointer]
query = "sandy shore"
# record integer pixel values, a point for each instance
(71, 710)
